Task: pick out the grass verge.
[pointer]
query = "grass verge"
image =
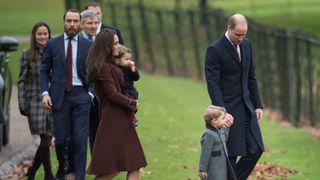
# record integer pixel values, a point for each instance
(171, 124)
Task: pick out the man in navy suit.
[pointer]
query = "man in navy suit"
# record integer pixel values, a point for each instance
(231, 83)
(66, 91)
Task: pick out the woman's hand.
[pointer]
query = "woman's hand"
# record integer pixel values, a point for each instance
(46, 102)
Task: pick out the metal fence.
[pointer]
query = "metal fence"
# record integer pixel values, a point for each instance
(173, 41)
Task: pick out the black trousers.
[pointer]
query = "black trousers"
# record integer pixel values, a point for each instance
(71, 120)
(244, 166)
(94, 122)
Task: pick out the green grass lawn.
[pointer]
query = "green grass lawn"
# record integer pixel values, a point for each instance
(18, 16)
(170, 114)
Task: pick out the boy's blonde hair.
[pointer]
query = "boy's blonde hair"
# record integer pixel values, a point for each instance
(123, 50)
(213, 112)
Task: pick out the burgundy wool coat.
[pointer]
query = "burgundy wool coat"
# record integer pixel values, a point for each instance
(117, 146)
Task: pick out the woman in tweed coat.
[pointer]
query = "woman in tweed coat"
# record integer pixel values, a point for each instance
(29, 96)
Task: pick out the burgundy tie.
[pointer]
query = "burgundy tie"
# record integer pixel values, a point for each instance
(69, 66)
(236, 48)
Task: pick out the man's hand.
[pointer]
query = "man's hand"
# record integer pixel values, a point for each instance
(229, 121)
(202, 175)
(46, 102)
(259, 114)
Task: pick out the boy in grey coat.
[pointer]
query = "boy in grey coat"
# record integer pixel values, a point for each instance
(214, 163)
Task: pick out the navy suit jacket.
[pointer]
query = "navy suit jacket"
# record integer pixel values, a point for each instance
(232, 84)
(117, 31)
(53, 68)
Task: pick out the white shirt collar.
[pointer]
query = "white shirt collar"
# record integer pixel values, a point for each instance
(85, 35)
(226, 34)
(99, 27)
(65, 37)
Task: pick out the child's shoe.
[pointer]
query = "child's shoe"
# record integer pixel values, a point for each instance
(134, 123)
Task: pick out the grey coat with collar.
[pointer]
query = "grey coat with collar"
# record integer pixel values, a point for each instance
(214, 155)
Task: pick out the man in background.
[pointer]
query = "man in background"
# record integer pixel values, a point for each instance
(89, 24)
(96, 7)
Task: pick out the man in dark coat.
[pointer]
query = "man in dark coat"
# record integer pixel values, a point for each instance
(231, 83)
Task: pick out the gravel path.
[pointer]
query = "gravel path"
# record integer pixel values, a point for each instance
(21, 143)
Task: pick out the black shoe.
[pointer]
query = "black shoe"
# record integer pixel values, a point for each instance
(60, 151)
(60, 177)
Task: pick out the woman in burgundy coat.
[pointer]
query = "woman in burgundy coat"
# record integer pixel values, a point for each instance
(117, 146)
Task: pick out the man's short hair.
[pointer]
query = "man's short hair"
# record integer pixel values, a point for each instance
(94, 4)
(87, 14)
(213, 112)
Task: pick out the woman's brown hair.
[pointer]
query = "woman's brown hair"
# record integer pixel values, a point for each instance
(32, 51)
(100, 52)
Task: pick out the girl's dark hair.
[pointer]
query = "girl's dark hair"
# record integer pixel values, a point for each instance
(31, 52)
(100, 52)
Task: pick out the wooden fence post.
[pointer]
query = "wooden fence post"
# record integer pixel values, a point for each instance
(283, 76)
(146, 35)
(310, 82)
(133, 38)
(209, 28)
(164, 43)
(195, 44)
(297, 110)
(203, 9)
(180, 39)
(113, 14)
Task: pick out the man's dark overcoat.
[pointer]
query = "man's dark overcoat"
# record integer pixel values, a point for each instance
(232, 84)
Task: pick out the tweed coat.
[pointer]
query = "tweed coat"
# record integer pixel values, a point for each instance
(29, 96)
(214, 155)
